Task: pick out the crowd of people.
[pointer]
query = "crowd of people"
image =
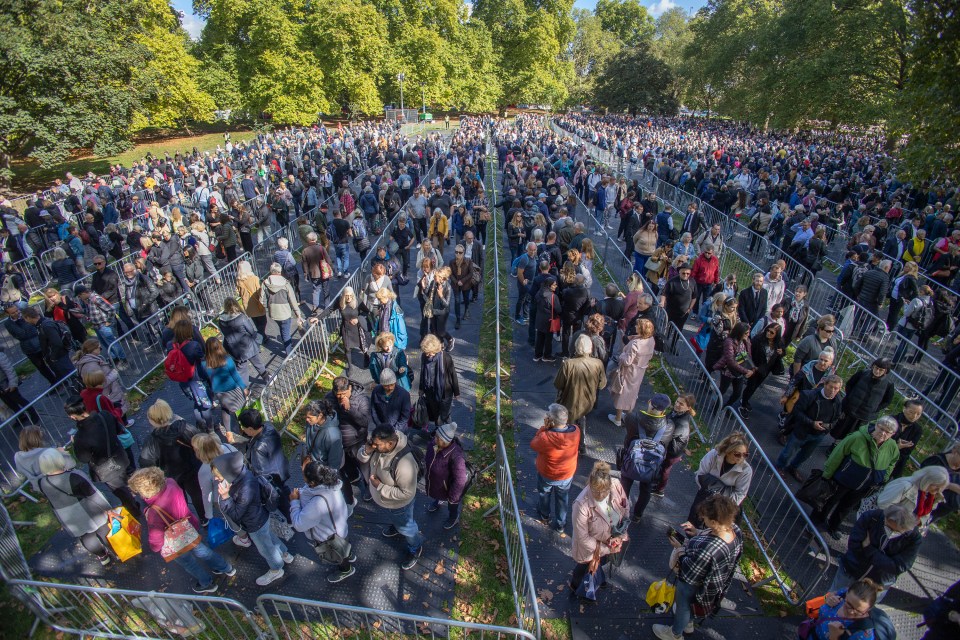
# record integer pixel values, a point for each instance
(362, 442)
(607, 342)
(225, 466)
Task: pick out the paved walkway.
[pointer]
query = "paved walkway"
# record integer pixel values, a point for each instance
(379, 583)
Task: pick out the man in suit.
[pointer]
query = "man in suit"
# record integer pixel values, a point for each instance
(896, 245)
(693, 222)
(753, 301)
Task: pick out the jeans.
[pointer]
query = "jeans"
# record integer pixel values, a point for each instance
(318, 292)
(523, 301)
(683, 600)
(738, 384)
(202, 406)
(342, 252)
(193, 563)
(901, 351)
(284, 326)
(107, 335)
(269, 545)
(798, 450)
(559, 491)
(402, 520)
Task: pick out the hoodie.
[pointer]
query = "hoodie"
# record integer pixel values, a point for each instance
(323, 443)
(397, 491)
(243, 504)
(169, 448)
(279, 299)
(320, 512)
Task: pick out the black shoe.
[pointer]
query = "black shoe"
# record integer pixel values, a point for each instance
(457, 324)
(549, 359)
(390, 532)
(451, 522)
(412, 558)
(339, 576)
(834, 533)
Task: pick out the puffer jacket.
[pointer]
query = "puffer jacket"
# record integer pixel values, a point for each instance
(446, 472)
(169, 448)
(677, 434)
(243, 504)
(873, 289)
(239, 336)
(872, 553)
(867, 395)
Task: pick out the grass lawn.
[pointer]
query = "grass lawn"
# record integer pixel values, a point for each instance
(30, 176)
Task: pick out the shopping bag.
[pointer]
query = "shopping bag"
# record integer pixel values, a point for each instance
(660, 596)
(124, 535)
(590, 584)
(218, 532)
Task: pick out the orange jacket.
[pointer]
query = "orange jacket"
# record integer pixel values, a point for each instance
(557, 451)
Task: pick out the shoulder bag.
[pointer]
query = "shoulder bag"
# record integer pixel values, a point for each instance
(854, 475)
(179, 536)
(554, 321)
(816, 490)
(336, 548)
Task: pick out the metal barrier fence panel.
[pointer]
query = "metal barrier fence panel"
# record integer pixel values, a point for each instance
(13, 565)
(792, 547)
(134, 615)
(865, 331)
(295, 618)
(922, 371)
(45, 410)
(210, 294)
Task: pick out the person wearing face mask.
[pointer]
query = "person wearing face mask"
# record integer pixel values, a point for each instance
(868, 394)
(861, 461)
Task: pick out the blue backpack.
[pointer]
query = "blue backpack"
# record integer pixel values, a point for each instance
(643, 459)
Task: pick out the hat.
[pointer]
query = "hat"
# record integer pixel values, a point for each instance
(447, 432)
(79, 289)
(660, 402)
(387, 376)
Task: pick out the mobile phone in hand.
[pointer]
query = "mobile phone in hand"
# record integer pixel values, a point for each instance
(673, 534)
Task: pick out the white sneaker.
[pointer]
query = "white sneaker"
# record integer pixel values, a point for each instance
(613, 418)
(689, 628)
(664, 632)
(288, 558)
(244, 541)
(269, 576)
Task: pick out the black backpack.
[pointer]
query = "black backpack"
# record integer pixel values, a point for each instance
(920, 318)
(418, 458)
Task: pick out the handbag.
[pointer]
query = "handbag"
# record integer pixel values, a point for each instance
(336, 548)
(652, 265)
(218, 532)
(325, 271)
(124, 535)
(816, 490)
(854, 475)
(420, 416)
(554, 322)
(591, 583)
(179, 536)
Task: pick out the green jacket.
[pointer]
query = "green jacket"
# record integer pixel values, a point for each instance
(861, 446)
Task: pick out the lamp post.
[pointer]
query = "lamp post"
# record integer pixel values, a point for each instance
(401, 77)
(423, 99)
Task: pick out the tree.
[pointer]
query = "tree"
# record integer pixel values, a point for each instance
(928, 109)
(636, 81)
(671, 38)
(591, 48)
(66, 81)
(170, 91)
(627, 19)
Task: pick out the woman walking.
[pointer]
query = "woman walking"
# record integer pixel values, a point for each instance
(626, 380)
(228, 387)
(599, 524)
(241, 340)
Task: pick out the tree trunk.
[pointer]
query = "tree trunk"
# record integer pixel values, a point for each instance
(5, 172)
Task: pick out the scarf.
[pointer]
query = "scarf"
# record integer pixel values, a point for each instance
(925, 503)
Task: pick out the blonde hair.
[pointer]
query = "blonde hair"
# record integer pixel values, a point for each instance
(160, 414)
(443, 273)
(386, 295)
(731, 442)
(206, 446)
(147, 482)
(645, 328)
(384, 337)
(430, 345)
(599, 479)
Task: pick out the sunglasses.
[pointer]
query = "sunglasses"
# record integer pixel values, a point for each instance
(739, 454)
(828, 330)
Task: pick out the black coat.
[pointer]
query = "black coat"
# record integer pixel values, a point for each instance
(239, 336)
(573, 303)
(355, 421)
(752, 308)
(169, 448)
(548, 307)
(867, 395)
(812, 407)
(883, 558)
(873, 288)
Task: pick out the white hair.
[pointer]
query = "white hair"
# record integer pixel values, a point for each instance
(312, 237)
(275, 269)
(283, 243)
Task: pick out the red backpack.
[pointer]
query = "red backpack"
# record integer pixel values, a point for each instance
(177, 366)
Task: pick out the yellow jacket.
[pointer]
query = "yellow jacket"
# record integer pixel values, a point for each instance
(915, 249)
(439, 226)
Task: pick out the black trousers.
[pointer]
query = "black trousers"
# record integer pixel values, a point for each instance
(840, 504)
(15, 401)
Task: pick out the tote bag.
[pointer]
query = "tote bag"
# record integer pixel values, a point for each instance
(179, 536)
(124, 536)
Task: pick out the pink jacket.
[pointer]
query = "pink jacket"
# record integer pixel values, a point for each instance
(171, 500)
(590, 528)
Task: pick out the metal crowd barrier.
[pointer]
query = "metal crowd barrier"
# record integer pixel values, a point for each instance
(923, 373)
(865, 331)
(287, 390)
(794, 550)
(294, 618)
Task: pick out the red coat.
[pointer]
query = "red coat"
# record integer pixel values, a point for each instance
(706, 270)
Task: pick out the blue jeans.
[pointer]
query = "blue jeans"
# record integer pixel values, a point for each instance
(342, 252)
(191, 563)
(683, 600)
(284, 326)
(107, 335)
(402, 520)
(559, 490)
(269, 545)
(798, 450)
(901, 351)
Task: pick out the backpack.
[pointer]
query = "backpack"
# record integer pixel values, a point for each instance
(515, 265)
(418, 458)
(106, 244)
(543, 254)
(921, 318)
(269, 495)
(642, 461)
(376, 227)
(176, 365)
(84, 236)
(856, 279)
(66, 338)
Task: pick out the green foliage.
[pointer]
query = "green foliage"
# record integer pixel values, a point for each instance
(636, 81)
(928, 109)
(626, 19)
(592, 47)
